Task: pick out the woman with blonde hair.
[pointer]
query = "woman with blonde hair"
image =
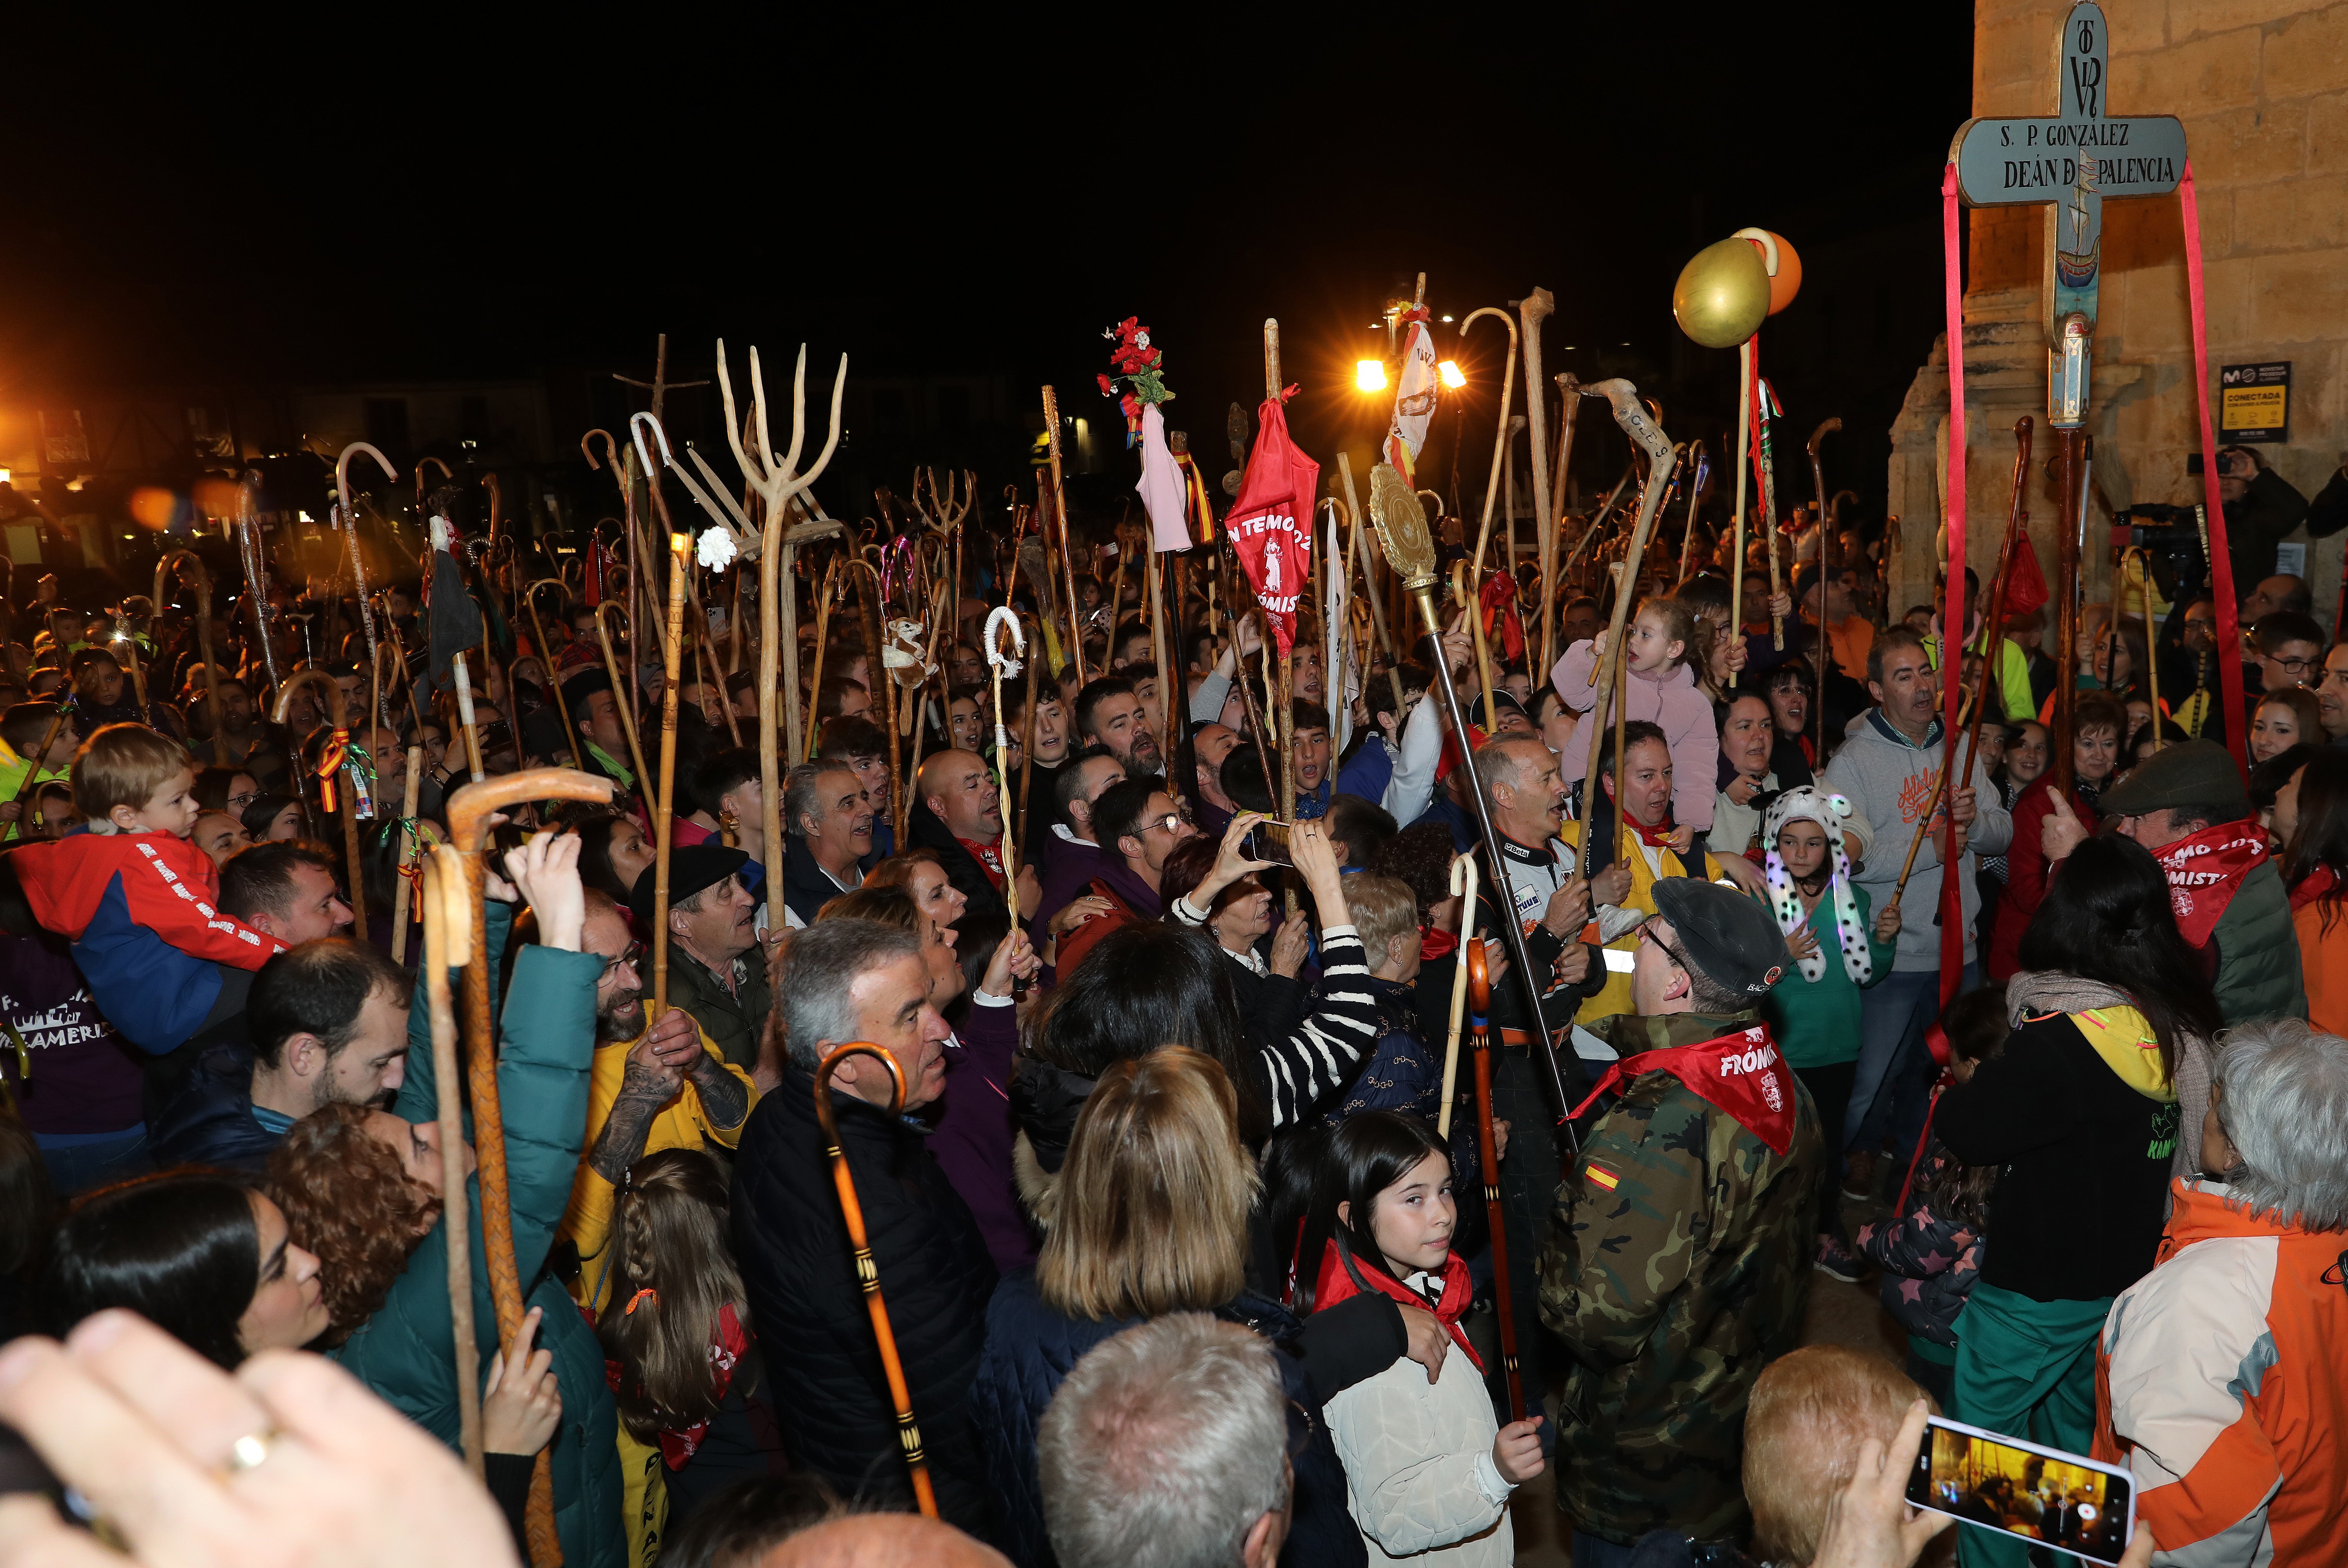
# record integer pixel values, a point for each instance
(1151, 1219)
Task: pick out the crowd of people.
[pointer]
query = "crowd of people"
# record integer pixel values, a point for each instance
(1162, 1158)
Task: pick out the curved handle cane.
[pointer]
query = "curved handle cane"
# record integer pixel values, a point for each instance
(868, 1272)
(1463, 887)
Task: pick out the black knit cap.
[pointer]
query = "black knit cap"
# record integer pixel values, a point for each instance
(581, 686)
(691, 868)
(1729, 937)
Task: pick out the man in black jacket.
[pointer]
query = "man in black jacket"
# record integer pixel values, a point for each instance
(858, 980)
(956, 812)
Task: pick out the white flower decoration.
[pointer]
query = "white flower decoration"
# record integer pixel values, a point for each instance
(715, 547)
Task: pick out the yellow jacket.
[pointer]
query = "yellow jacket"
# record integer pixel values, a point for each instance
(1629, 915)
(12, 779)
(682, 1123)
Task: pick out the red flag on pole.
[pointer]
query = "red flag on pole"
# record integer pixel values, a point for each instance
(1270, 526)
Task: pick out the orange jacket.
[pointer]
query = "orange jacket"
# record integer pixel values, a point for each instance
(2218, 1383)
(2324, 961)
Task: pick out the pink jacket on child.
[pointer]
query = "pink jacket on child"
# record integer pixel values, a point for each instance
(1671, 701)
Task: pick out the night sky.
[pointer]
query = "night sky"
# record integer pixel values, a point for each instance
(447, 198)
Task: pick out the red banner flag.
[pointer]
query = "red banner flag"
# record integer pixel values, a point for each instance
(1270, 526)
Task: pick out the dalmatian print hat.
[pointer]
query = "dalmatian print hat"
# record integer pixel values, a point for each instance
(1804, 804)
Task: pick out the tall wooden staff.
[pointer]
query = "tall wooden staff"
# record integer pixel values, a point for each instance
(257, 576)
(868, 1272)
(1463, 887)
(546, 657)
(1479, 1002)
(1569, 388)
(194, 563)
(1500, 435)
(680, 562)
(410, 845)
(448, 945)
(622, 699)
(778, 484)
(1694, 458)
(1067, 558)
(469, 810)
(1743, 454)
(1761, 399)
(1283, 730)
(2018, 520)
(350, 519)
(1633, 417)
(1369, 586)
(1004, 619)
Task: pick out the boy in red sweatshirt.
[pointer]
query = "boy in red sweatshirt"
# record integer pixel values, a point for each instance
(135, 895)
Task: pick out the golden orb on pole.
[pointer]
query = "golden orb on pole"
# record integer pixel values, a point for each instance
(1722, 294)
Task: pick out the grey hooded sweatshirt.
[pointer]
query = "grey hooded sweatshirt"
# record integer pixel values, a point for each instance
(1888, 779)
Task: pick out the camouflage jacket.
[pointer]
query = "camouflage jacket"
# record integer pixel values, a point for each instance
(1674, 1272)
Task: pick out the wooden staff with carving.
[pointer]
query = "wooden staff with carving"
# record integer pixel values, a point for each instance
(680, 563)
(448, 945)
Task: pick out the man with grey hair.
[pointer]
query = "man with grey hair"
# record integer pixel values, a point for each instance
(827, 831)
(2220, 1370)
(844, 981)
(1167, 1447)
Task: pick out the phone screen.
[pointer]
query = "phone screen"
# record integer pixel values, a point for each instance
(2067, 1501)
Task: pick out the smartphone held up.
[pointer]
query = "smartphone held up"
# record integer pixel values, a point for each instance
(2067, 1501)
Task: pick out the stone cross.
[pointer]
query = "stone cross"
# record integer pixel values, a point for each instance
(2072, 161)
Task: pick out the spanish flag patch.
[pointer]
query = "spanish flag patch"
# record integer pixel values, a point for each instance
(1601, 1176)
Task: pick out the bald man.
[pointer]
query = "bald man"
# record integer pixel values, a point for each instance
(957, 814)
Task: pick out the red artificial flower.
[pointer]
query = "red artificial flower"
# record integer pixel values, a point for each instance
(1108, 388)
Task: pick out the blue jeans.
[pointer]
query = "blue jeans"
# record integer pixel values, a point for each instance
(1894, 1085)
(75, 1168)
(1596, 1552)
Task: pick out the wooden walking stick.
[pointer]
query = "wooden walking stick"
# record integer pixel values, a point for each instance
(469, 811)
(194, 564)
(680, 562)
(1568, 388)
(824, 588)
(2151, 665)
(1697, 473)
(2017, 520)
(34, 760)
(546, 658)
(1931, 805)
(1067, 560)
(448, 945)
(1500, 436)
(463, 684)
(1532, 310)
(1369, 587)
(1633, 417)
(1002, 619)
(622, 698)
(1401, 534)
(707, 661)
(1743, 452)
(350, 521)
(778, 483)
(411, 845)
(256, 575)
(1825, 530)
(868, 1272)
(1463, 887)
(1479, 1002)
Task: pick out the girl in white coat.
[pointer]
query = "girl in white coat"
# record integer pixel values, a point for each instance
(1428, 1470)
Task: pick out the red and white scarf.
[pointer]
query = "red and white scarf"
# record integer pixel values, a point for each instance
(1741, 1073)
(2205, 869)
(988, 852)
(1344, 1276)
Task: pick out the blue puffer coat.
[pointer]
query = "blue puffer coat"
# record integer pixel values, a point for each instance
(1030, 1349)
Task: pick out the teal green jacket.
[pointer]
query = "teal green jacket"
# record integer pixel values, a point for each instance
(407, 1351)
(1817, 1023)
(2259, 975)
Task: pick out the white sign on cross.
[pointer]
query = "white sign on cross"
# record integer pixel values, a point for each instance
(2074, 157)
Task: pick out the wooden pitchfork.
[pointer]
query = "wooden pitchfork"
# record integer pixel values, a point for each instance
(469, 812)
(867, 1271)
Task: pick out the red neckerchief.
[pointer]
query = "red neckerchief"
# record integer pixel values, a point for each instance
(988, 856)
(1741, 1073)
(724, 1355)
(1345, 1276)
(1656, 838)
(2205, 868)
(2321, 883)
(1435, 943)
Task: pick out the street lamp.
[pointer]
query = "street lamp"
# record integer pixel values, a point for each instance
(1452, 375)
(1370, 374)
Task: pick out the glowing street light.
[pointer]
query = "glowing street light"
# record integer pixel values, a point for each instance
(1370, 374)
(1452, 377)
